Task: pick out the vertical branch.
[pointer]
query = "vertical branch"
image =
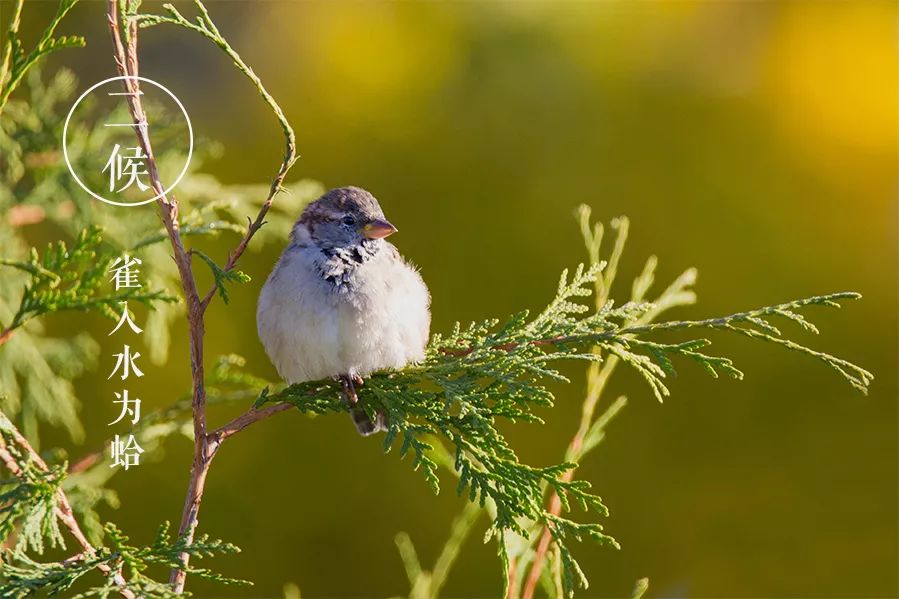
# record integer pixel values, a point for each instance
(598, 373)
(206, 444)
(512, 578)
(127, 64)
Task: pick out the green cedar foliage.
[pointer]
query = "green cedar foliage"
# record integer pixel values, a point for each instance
(479, 375)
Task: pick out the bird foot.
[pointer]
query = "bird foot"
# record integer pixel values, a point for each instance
(360, 417)
(349, 388)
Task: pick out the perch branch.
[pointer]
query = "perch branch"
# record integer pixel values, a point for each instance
(246, 419)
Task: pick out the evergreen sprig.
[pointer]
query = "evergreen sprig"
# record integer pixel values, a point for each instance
(166, 552)
(221, 276)
(479, 375)
(21, 576)
(756, 324)
(29, 508)
(15, 62)
(28, 505)
(74, 279)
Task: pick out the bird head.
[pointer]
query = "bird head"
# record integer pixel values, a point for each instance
(344, 217)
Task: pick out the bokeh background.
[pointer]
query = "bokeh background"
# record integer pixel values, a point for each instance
(756, 141)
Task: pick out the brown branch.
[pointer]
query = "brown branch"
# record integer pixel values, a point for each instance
(85, 462)
(209, 30)
(6, 335)
(246, 419)
(513, 345)
(555, 508)
(127, 64)
(63, 507)
(512, 577)
(205, 445)
(555, 504)
(597, 377)
(255, 225)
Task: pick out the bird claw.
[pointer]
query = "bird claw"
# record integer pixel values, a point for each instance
(349, 388)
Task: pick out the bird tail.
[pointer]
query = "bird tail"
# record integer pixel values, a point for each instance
(364, 424)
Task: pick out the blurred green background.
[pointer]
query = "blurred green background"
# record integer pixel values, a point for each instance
(756, 141)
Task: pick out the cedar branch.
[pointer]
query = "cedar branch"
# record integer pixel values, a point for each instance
(63, 507)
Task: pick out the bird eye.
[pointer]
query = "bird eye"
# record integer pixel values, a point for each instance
(348, 220)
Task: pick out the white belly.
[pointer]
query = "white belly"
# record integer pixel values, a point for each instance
(310, 332)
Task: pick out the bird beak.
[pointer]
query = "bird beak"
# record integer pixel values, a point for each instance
(378, 229)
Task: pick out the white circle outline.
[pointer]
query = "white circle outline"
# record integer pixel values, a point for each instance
(65, 150)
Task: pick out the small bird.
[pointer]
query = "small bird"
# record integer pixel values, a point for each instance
(342, 302)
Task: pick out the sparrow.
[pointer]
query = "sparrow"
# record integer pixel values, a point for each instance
(341, 302)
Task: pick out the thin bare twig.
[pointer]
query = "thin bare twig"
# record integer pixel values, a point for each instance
(512, 578)
(597, 376)
(246, 419)
(205, 26)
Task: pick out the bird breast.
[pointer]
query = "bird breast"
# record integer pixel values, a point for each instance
(312, 329)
